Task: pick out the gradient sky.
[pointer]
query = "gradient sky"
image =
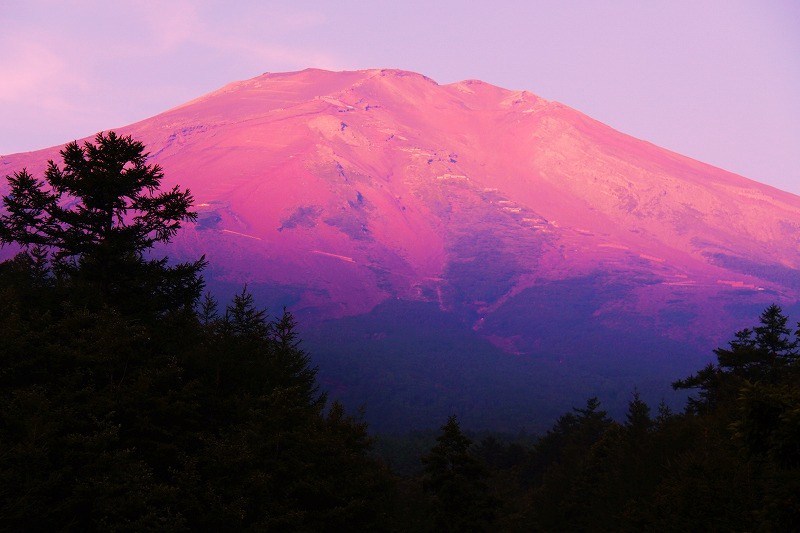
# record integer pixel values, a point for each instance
(715, 80)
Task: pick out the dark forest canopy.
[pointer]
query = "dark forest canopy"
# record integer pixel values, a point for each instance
(128, 402)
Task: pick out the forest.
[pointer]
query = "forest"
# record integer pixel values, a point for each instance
(130, 400)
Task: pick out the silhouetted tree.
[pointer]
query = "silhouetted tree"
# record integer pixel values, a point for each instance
(637, 420)
(97, 217)
(560, 463)
(455, 481)
(755, 355)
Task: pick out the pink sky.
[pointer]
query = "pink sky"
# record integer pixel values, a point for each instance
(715, 80)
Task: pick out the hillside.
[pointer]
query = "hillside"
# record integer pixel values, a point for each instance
(460, 247)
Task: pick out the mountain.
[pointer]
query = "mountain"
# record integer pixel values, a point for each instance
(467, 248)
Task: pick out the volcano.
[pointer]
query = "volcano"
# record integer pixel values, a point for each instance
(464, 248)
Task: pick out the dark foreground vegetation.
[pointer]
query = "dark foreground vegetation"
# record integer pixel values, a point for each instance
(129, 402)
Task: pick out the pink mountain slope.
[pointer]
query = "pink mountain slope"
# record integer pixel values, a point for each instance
(337, 191)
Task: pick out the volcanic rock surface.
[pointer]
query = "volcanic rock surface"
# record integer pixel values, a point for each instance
(467, 248)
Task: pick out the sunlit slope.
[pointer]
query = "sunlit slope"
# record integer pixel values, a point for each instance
(335, 192)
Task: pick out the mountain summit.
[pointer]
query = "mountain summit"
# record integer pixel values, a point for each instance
(453, 246)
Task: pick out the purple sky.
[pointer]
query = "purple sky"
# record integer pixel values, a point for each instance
(715, 80)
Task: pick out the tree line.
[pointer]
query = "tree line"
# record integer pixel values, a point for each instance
(131, 401)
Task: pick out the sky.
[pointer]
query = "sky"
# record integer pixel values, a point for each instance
(718, 81)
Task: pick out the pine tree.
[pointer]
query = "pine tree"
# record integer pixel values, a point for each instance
(758, 354)
(97, 218)
(637, 420)
(455, 481)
